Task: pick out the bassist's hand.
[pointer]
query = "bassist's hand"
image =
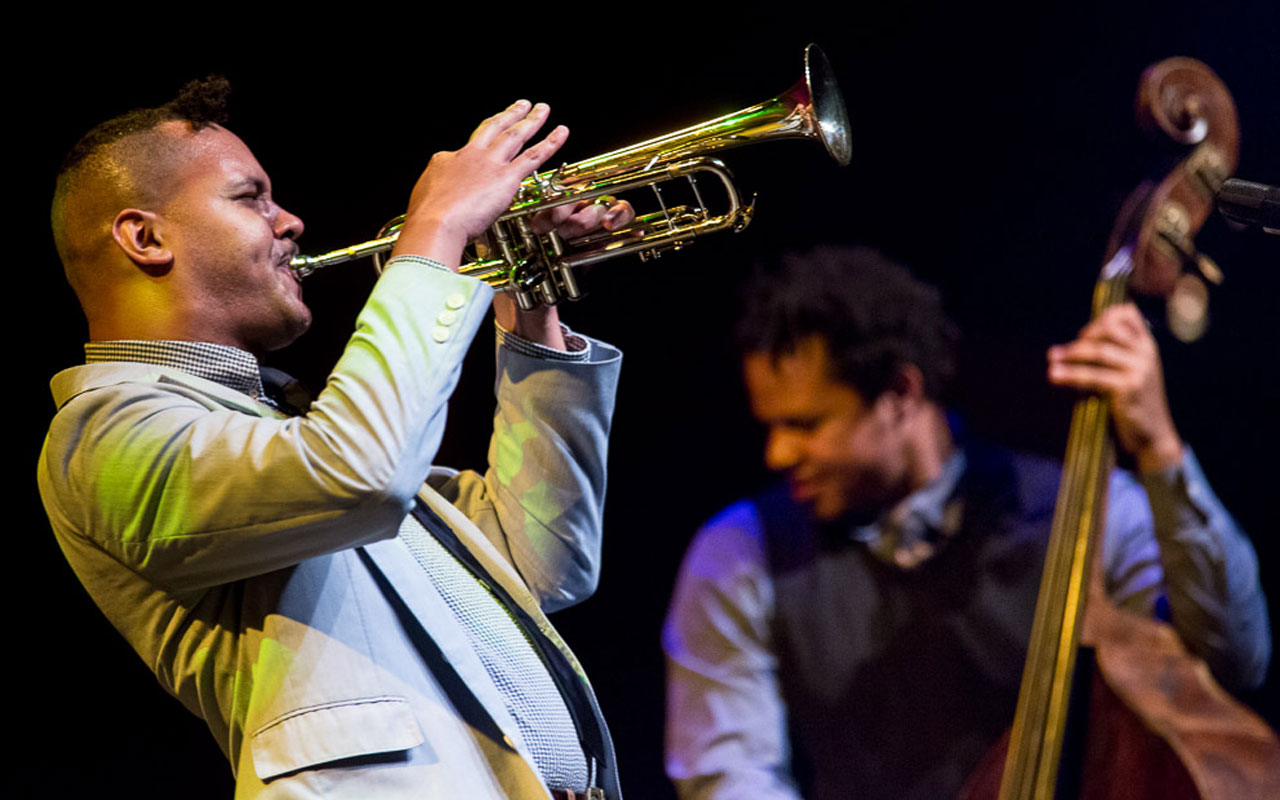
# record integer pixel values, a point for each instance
(1116, 357)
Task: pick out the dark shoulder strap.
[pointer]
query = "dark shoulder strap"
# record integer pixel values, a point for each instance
(571, 686)
(286, 391)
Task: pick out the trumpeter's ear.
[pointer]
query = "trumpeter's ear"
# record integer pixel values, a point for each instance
(139, 234)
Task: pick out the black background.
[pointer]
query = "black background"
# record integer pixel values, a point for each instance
(992, 148)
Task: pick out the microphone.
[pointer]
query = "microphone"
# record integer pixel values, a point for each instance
(1251, 204)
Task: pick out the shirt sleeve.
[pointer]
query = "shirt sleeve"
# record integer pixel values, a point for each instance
(1173, 551)
(579, 347)
(726, 730)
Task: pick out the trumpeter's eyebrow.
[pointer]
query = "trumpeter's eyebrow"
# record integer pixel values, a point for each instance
(256, 184)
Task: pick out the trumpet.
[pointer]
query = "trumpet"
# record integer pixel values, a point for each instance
(541, 268)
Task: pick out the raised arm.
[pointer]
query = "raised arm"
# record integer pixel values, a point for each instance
(541, 501)
(1180, 545)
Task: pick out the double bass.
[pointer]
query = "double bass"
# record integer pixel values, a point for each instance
(1111, 705)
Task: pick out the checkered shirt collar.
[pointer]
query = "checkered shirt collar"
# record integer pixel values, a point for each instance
(222, 364)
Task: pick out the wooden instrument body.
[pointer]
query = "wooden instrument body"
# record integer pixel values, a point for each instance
(1157, 724)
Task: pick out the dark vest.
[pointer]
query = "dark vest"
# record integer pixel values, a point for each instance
(898, 682)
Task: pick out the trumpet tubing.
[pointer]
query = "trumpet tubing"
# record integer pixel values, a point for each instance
(541, 268)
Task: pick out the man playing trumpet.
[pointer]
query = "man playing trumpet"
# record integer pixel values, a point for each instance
(349, 620)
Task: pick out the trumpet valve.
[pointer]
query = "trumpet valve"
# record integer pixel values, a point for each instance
(547, 291)
(525, 299)
(568, 281)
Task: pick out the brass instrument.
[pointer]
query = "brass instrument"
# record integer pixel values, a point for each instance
(540, 268)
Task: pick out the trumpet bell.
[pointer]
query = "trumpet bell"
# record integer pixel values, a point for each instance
(831, 119)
